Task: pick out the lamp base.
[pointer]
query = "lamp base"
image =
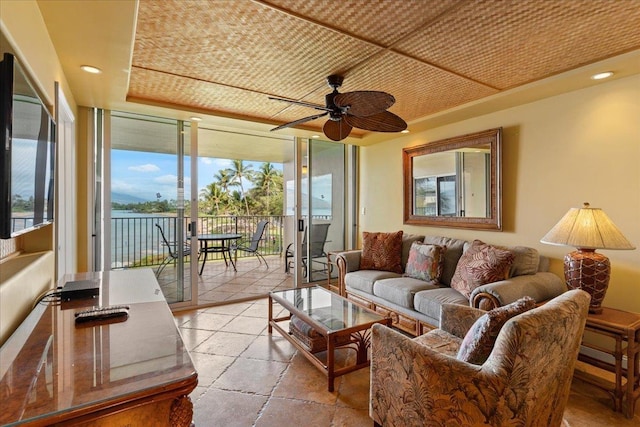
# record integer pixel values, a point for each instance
(587, 270)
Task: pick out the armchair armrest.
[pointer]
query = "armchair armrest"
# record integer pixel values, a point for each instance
(347, 262)
(457, 319)
(541, 286)
(414, 385)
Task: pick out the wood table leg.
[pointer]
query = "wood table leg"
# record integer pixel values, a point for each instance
(331, 348)
(181, 413)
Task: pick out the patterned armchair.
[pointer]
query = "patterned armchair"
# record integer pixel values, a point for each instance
(524, 382)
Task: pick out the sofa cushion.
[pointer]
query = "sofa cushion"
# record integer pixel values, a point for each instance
(382, 251)
(363, 280)
(401, 290)
(526, 260)
(451, 256)
(480, 339)
(481, 264)
(428, 302)
(425, 261)
(440, 341)
(407, 241)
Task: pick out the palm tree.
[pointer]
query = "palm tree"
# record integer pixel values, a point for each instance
(238, 171)
(235, 202)
(213, 194)
(267, 180)
(223, 178)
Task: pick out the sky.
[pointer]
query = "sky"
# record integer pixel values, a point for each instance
(144, 174)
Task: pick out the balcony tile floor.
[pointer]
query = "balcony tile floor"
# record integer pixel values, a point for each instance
(248, 378)
(219, 283)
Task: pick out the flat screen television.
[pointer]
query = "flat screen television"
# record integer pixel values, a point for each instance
(27, 153)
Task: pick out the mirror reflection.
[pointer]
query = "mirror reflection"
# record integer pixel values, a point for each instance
(454, 182)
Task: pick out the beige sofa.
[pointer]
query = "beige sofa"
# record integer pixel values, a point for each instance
(414, 305)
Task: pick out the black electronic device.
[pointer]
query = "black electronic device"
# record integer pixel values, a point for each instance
(79, 289)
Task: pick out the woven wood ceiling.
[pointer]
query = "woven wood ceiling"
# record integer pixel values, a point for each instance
(226, 57)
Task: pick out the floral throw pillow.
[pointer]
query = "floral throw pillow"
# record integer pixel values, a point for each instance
(426, 261)
(481, 337)
(382, 251)
(479, 265)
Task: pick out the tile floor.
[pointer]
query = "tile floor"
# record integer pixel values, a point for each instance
(248, 378)
(220, 283)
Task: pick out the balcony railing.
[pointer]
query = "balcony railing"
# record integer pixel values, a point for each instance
(136, 241)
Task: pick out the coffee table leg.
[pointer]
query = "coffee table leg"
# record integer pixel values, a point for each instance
(331, 347)
(362, 343)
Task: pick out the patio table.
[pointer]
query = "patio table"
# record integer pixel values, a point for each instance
(225, 240)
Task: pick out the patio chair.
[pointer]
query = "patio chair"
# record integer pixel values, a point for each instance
(318, 236)
(252, 246)
(173, 251)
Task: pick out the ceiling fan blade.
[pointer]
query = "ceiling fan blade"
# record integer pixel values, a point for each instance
(303, 103)
(299, 121)
(364, 103)
(381, 122)
(337, 130)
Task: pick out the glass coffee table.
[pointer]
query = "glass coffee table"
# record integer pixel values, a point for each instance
(332, 318)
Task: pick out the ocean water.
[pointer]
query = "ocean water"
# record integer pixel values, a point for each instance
(135, 237)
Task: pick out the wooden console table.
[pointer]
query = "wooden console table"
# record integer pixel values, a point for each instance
(623, 329)
(120, 373)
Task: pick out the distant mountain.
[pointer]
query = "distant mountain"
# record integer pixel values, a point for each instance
(125, 199)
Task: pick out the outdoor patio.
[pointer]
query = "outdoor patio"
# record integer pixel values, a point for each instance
(219, 283)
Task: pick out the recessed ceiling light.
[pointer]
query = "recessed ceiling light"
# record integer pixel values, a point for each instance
(601, 76)
(91, 69)
(195, 119)
(315, 136)
(404, 131)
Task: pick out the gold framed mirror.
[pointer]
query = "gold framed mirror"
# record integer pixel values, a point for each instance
(455, 182)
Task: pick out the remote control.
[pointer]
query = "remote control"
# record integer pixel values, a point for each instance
(99, 313)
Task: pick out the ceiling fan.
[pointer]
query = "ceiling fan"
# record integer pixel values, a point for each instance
(364, 109)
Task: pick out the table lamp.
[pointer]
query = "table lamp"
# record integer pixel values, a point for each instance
(587, 229)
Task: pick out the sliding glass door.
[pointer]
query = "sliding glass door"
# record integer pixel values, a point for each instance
(319, 191)
(168, 184)
(149, 193)
(326, 203)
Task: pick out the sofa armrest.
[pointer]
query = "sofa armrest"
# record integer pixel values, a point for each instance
(541, 286)
(457, 319)
(413, 385)
(347, 262)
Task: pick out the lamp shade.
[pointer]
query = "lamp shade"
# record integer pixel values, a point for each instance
(587, 228)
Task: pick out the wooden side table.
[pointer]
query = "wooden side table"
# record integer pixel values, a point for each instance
(623, 328)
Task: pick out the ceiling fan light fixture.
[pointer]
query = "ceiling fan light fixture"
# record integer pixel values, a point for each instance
(364, 109)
